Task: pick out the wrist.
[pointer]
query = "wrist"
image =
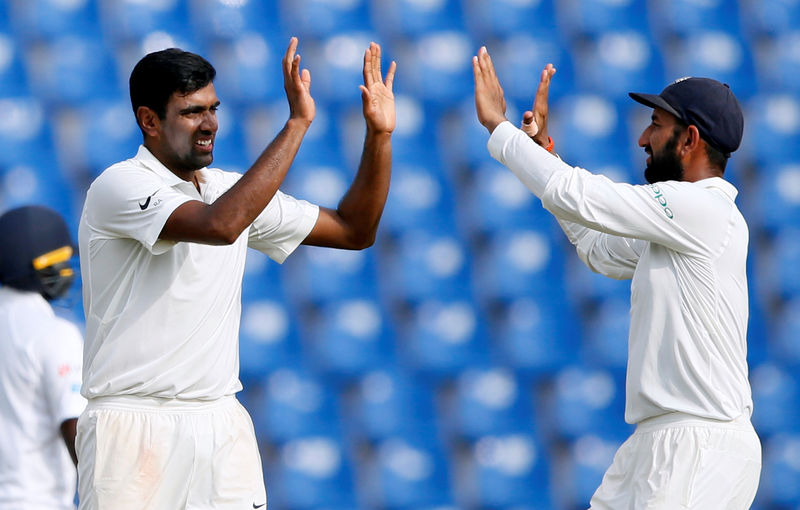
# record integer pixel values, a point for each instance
(299, 123)
(492, 124)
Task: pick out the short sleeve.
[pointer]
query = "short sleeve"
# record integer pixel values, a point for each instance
(282, 226)
(62, 363)
(134, 203)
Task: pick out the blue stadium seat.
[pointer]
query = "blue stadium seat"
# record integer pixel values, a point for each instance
(683, 18)
(537, 337)
(348, 338)
(785, 337)
(322, 143)
(412, 18)
(125, 21)
(320, 275)
(776, 391)
(496, 19)
(588, 401)
(581, 19)
(108, 133)
(488, 401)
(71, 69)
(389, 402)
(37, 20)
(769, 18)
(588, 129)
(779, 65)
(519, 263)
(774, 129)
(248, 68)
(39, 182)
(312, 472)
(320, 19)
(778, 191)
(268, 338)
(605, 342)
(508, 471)
(464, 144)
(782, 268)
(26, 131)
(295, 404)
(588, 457)
(436, 66)
(630, 56)
(443, 337)
(497, 200)
(781, 470)
(408, 472)
(425, 264)
(519, 58)
(223, 19)
(13, 81)
(420, 197)
(715, 54)
(336, 65)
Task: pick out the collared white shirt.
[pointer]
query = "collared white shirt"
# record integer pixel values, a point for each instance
(40, 377)
(684, 245)
(162, 318)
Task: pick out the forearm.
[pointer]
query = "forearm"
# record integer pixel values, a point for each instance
(69, 430)
(361, 207)
(223, 221)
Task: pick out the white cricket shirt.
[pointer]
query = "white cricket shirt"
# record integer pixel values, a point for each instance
(162, 318)
(684, 245)
(40, 377)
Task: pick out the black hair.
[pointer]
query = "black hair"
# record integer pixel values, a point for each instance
(160, 74)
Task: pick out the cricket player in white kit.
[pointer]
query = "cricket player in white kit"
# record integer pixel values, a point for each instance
(163, 240)
(683, 243)
(40, 363)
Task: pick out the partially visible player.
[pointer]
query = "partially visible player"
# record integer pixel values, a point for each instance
(163, 241)
(683, 243)
(40, 363)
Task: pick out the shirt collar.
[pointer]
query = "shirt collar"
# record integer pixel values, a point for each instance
(146, 158)
(721, 184)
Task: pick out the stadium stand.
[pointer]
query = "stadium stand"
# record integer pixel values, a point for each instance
(468, 360)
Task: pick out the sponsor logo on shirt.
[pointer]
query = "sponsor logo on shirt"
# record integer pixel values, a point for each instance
(661, 199)
(146, 203)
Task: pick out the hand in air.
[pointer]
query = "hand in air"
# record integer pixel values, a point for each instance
(534, 121)
(297, 85)
(376, 93)
(490, 102)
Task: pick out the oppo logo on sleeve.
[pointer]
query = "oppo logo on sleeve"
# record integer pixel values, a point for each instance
(661, 199)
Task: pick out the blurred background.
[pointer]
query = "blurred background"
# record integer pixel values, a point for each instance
(468, 360)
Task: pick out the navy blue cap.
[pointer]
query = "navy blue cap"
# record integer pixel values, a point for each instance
(705, 103)
(27, 233)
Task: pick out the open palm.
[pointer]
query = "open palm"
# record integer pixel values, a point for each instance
(376, 93)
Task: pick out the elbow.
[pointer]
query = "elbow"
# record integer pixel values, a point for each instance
(223, 234)
(363, 242)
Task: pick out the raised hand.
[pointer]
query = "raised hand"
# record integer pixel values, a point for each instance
(490, 102)
(297, 85)
(534, 121)
(376, 94)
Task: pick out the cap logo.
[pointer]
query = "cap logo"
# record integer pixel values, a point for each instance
(681, 79)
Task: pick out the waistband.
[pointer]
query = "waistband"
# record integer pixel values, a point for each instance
(677, 419)
(149, 404)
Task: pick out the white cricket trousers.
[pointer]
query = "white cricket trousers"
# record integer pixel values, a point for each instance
(139, 453)
(677, 461)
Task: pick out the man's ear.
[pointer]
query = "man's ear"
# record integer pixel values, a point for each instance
(693, 140)
(148, 121)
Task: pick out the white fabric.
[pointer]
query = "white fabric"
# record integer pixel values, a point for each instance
(40, 376)
(138, 453)
(678, 461)
(162, 318)
(685, 247)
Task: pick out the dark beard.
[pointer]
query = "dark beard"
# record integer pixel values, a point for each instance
(665, 166)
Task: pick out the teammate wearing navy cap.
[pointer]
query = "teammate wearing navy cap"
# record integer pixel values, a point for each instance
(682, 242)
(40, 363)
